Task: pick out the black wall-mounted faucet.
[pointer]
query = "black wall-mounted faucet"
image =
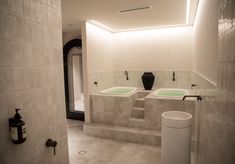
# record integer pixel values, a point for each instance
(193, 85)
(199, 98)
(51, 143)
(126, 73)
(173, 76)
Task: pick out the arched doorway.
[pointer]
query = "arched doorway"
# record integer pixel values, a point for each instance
(73, 80)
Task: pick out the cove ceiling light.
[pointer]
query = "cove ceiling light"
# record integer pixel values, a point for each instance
(101, 25)
(187, 11)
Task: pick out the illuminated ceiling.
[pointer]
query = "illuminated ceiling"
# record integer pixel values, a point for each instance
(123, 15)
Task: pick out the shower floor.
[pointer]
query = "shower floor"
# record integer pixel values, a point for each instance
(85, 149)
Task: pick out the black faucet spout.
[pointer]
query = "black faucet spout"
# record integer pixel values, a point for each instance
(173, 76)
(199, 98)
(126, 73)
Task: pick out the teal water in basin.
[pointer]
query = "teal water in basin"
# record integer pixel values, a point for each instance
(119, 91)
(171, 93)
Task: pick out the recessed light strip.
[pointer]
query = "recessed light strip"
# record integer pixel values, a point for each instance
(134, 9)
(101, 25)
(133, 29)
(152, 28)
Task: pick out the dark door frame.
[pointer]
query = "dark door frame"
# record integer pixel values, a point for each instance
(76, 115)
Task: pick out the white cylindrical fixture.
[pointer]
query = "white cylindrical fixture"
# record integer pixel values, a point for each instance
(176, 137)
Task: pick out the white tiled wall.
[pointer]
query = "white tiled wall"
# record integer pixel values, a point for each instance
(163, 79)
(216, 128)
(31, 78)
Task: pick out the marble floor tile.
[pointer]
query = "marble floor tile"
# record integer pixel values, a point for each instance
(85, 149)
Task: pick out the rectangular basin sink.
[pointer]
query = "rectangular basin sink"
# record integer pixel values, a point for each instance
(170, 93)
(119, 91)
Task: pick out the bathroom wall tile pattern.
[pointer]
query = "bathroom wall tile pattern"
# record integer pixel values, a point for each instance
(163, 79)
(216, 128)
(155, 107)
(31, 71)
(111, 110)
(105, 80)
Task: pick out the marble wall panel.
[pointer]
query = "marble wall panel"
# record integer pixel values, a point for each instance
(114, 110)
(31, 78)
(163, 79)
(216, 114)
(155, 107)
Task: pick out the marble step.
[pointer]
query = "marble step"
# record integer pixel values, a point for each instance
(126, 134)
(137, 123)
(143, 136)
(142, 94)
(139, 102)
(138, 112)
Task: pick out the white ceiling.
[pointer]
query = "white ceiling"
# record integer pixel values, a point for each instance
(161, 13)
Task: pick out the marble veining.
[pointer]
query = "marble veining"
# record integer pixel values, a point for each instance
(163, 79)
(31, 78)
(216, 115)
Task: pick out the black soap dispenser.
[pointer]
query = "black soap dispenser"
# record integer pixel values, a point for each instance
(17, 128)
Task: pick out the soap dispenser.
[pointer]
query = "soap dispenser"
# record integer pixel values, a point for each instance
(17, 128)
